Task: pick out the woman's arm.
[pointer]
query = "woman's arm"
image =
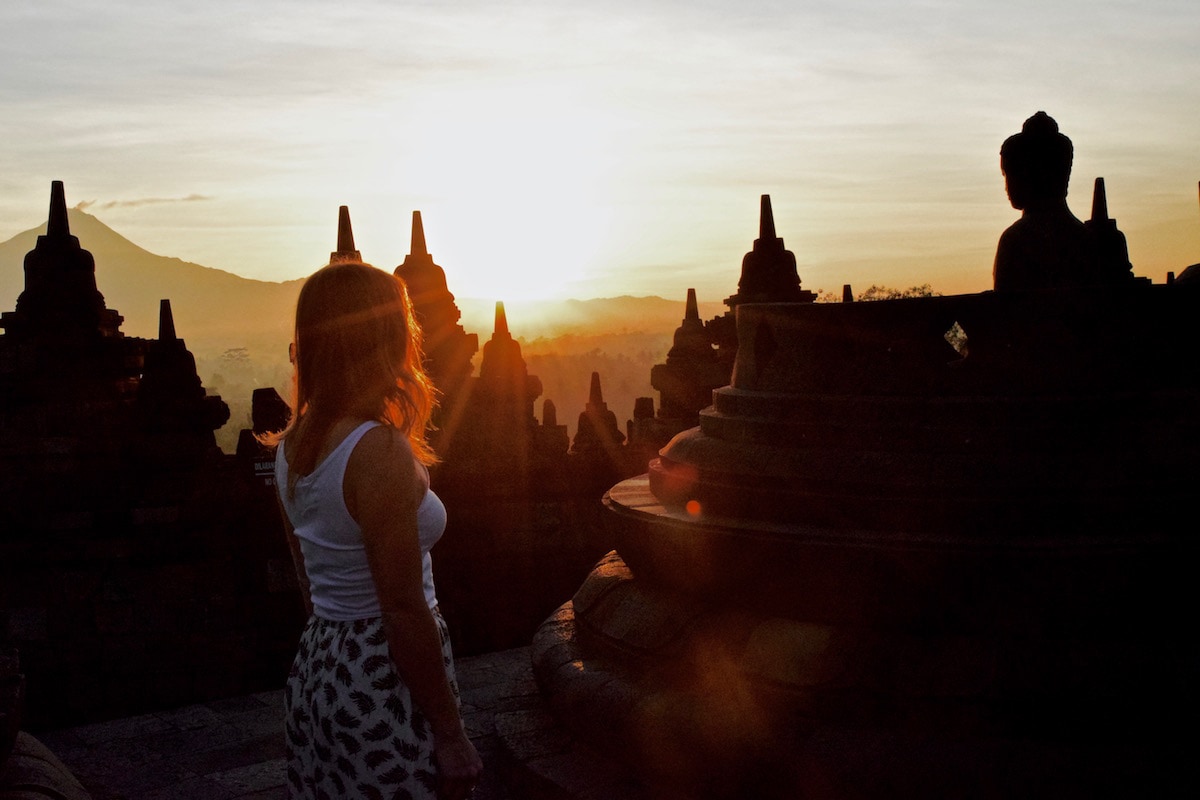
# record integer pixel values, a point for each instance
(383, 490)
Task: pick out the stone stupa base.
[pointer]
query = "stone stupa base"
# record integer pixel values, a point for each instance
(1004, 681)
(702, 700)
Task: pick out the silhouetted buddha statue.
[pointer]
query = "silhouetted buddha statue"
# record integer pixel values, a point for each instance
(1047, 247)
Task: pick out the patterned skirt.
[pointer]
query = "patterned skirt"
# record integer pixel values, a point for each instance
(352, 729)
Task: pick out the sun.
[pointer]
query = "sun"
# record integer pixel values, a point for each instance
(515, 189)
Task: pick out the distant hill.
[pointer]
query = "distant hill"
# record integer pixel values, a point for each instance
(239, 328)
(216, 309)
(546, 319)
(213, 309)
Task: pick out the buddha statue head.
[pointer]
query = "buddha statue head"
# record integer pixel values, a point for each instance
(1036, 163)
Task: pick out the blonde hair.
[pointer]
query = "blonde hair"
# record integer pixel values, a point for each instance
(357, 354)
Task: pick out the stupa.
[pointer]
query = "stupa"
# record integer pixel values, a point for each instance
(130, 548)
(89, 413)
(691, 372)
(597, 429)
(882, 566)
(448, 348)
(768, 275)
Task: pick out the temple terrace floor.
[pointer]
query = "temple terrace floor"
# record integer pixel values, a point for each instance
(233, 749)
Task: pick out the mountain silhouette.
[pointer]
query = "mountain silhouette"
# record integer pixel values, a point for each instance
(239, 328)
(213, 309)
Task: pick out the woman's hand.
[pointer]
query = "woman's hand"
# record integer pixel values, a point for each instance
(459, 766)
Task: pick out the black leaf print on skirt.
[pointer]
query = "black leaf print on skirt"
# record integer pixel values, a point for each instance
(363, 701)
(378, 637)
(297, 737)
(375, 663)
(375, 758)
(346, 767)
(368, 792)
(395, 705)
(346, 719)
(349, 743)
(378, 732)
(353, 650)
(387, 681)
(343, 675)
(396, 774)
(407, 750)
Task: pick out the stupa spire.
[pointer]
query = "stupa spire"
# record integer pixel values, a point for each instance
(1099, 202)
(418, 247)
(766, 221)
(345, 239)
(595, 394)
(1110, 248)
(501, 328)
(166, 322)
(691, 311)
(57, 225)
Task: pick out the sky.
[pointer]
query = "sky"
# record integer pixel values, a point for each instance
(569, 149)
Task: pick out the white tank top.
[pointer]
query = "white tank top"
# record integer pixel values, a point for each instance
(335, 558)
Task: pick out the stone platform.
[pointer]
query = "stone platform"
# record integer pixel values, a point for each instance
(233, 749)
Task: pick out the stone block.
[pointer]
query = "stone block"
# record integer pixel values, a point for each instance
(33, 771)
(236, 752)
(189, 717)
(253, 777)
(106, 733)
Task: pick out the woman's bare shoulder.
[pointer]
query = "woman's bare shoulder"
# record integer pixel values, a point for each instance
(382, 464)
(383, 448)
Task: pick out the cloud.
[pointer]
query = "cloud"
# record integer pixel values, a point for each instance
(141, 201)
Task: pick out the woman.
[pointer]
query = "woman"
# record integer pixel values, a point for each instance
(371, 706)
